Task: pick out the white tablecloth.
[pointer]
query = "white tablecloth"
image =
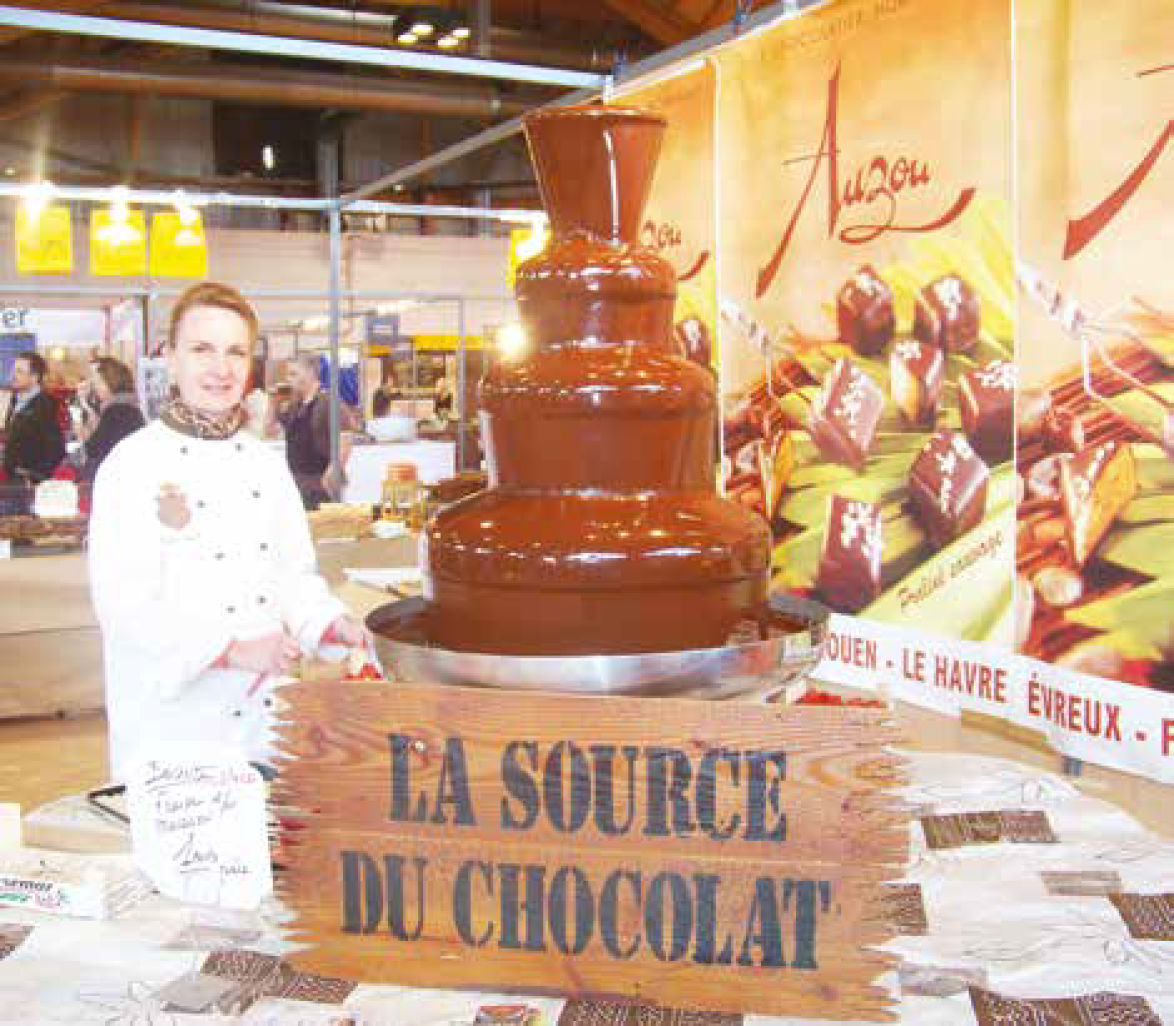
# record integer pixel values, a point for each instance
(989, 914)
(368, 464)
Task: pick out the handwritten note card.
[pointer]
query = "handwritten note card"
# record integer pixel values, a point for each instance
(199, 831)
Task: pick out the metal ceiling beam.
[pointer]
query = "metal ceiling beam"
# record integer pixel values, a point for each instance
(8, 35)
(161, 198)
(305, 49)
(297, 89)
(360, 27)
(648, 66)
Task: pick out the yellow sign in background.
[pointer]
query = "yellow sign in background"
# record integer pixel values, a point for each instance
(178, 246)
(44, 241)
(118, 246)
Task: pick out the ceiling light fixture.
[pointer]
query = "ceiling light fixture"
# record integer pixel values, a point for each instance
(448, 42)
(422, 28)
(406, 38)
(461, 32)
(36, 198)
(268, 157)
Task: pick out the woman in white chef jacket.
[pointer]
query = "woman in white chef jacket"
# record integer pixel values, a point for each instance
(201, 564)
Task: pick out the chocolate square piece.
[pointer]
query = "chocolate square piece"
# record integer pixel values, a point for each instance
(958, 830)
(987, 398)
(906, 908)
(947, 314)
(12, 936)
(864, 312)
(602, 1013)
(845, 413)
(1095, 486)
(915, 380)
(948, 486)
(1101, 1009)
(850, 564)
(1148, 916)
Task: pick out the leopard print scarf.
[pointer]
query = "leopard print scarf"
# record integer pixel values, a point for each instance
(181, 417)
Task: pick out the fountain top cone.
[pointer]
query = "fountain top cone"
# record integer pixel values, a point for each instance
(595, 166)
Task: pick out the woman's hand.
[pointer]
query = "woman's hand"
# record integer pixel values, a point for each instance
(346, 630)
(270, 653)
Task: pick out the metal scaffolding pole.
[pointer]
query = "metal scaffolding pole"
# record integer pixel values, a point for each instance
(328, 147)
(460, 389)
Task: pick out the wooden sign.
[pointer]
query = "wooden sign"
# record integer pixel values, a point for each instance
(710, 856)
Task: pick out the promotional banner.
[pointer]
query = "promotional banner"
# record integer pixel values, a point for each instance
(44, 241)
(680, 221)
(118, 246)
(868, 307)
(178, 248)
(1096, 415)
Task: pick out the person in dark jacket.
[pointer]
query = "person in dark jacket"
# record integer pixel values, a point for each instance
(306, 422)
(111, 411)
(33, 446)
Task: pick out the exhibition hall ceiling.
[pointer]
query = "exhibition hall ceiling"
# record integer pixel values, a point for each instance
(93, 109)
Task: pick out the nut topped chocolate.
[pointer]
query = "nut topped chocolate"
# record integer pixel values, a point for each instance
(850, 562)
(915, 380)
(845, 413)
(864, 312)
(986, 396)
(947, 314)
(948, 485)
(1095, 486)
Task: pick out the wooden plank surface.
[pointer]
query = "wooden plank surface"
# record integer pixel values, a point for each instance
(492, 815)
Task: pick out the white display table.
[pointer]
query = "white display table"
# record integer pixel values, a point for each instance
(367, 466)
(1029, 919)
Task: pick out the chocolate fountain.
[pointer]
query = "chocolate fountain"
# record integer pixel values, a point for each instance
(601, 533)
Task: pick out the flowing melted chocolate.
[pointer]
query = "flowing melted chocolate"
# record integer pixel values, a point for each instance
(601, 531)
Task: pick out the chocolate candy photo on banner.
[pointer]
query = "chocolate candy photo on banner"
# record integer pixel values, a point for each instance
(948, 485)
(947, 314)
(845, 413)
(986, 397)
(915, 380)
(864, 312)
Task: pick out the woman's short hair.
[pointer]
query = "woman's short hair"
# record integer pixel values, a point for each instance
(212, 293)
(116, 374)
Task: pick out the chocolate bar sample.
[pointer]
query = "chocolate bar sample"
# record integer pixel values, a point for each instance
(1095, 486)
(947, 314)
(850, 563)
(986, 396)
(915, 380)
(845, 413)
(864, 312)
(948, 486)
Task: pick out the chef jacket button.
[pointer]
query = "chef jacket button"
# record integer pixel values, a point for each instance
(240, 447)
(268, 703)
(219, 555)
(183, 450)
(264, 546)
(200, 504)
(237, 713)
(232, 609)
(260, 600)
(256, 494)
